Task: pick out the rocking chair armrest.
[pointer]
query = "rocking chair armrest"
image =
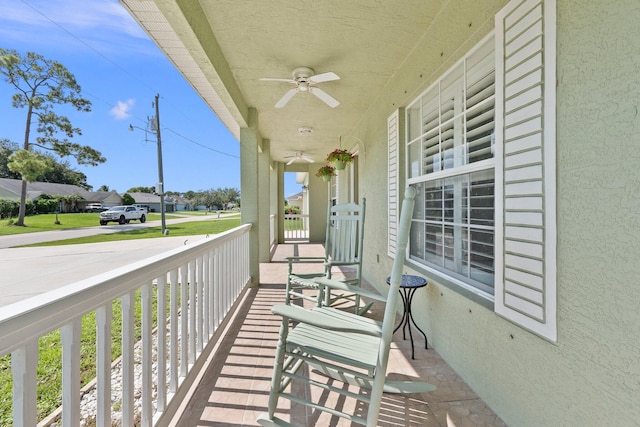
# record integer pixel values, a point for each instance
(335, 284)
(323, 320)
(293, 259)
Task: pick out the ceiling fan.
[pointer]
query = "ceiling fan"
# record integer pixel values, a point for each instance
(306, 81)
(298, 155)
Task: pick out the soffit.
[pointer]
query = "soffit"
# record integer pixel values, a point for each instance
(224, 47)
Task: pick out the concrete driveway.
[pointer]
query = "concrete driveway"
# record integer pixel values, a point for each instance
(25, 272)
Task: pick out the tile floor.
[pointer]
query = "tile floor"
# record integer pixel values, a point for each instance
(234, 390)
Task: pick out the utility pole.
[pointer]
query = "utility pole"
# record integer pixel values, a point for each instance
(156, 124)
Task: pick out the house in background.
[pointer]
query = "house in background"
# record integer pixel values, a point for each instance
(107, 198)
(296, 200)
(517, 123)
(11, 189)
(181, 204)
(152, 202)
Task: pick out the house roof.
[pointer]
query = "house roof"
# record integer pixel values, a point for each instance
(224, 48)
(296, 196)
(145, 198)
(13, 187)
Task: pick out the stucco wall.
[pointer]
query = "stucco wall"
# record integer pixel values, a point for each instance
(591, 376)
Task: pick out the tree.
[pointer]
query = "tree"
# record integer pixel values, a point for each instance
(7, 148)
(103, 188)
(150, 190)
(40, 85)
(127, 199)
(59, 172)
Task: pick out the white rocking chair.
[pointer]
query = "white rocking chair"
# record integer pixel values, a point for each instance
(341, 345)
(343, 248)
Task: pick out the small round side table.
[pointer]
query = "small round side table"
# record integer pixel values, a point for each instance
(408, 286)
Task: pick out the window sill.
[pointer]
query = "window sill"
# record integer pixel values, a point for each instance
(479, 297)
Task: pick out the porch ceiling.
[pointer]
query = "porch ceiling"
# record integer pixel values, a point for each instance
(224, 47)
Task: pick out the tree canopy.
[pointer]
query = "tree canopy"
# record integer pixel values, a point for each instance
(59, 172)
(40, 85)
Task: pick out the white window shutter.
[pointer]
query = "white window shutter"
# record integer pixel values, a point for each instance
(525, 286)
(393, 136)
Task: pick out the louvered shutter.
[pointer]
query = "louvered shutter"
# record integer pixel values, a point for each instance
(525, 166)
(393, 137)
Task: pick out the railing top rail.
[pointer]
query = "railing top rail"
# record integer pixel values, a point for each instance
(38, 315)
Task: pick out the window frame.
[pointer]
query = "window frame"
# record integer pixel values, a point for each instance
(475, 288)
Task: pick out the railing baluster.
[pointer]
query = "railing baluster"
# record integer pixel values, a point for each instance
(70, 339)
(200, 305)
(192, 312)
(216, 286)
(104, 317)
(147, 323)
(24, 362)
(173, 346)
(162, 343)
(210, 287)
(184, 320)
(128, 337)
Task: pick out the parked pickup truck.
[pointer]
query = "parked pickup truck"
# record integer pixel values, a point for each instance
(123, 214)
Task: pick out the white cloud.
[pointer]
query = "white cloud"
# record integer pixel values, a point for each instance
(104, 25)
(122, 109)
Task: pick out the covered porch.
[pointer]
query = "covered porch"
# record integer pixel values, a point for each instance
(233, 388)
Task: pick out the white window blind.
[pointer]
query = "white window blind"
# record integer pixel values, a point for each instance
(393, 137)
(525, 277)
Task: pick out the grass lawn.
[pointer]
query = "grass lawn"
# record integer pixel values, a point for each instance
(293, 224)
(181, 229)
(47, 222)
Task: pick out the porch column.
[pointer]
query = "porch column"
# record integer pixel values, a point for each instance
(264, 189)
(249, 190)
(280, 214)
(318, 204)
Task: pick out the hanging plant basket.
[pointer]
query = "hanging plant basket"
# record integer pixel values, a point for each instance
(326, 172)
(339, 158)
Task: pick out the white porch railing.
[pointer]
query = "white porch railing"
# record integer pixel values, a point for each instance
(296, 227)
(194, 287)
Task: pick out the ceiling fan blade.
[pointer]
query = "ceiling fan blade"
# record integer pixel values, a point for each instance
(286, 98)
(324, 77)
(291, 161)
(310, 160)
(268, 79)
(325, 97)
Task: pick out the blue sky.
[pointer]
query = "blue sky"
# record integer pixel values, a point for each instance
(120, 71)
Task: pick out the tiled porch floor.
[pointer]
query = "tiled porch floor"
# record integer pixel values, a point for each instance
(234, 390)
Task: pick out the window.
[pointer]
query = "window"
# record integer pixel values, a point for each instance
(480, 151)
(450, 146)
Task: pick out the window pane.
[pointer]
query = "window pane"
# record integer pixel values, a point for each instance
(416, 242)
(433, 202)
(413, 121)
(481, 256)
(433, 247)
(414, 159)
(481, 199)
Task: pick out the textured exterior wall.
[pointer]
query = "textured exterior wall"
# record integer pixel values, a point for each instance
(591, 376)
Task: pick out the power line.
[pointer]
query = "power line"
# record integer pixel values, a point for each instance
(128, 74)
(201, 145)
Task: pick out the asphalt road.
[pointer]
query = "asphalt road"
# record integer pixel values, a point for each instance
(25, 272)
